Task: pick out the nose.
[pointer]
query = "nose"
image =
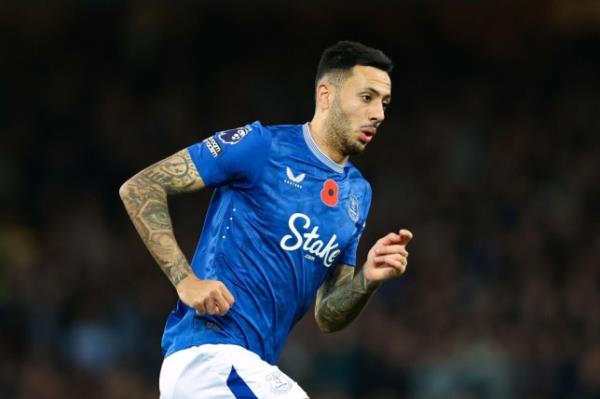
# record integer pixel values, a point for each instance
(377, 113)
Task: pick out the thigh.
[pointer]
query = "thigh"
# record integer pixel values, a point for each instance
(191, 374)
(224, 372)
(264, 380)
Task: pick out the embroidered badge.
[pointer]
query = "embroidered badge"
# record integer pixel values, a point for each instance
(233, 136)
(279, 383)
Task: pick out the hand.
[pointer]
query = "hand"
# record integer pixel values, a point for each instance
(388, 257)
(206, 296)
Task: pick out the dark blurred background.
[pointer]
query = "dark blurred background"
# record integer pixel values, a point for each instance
(490, 154)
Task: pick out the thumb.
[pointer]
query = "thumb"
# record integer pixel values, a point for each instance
(405, 236)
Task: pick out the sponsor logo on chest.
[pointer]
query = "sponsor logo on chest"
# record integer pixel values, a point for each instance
(309, 241)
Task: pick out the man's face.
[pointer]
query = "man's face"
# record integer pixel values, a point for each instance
(358, 109)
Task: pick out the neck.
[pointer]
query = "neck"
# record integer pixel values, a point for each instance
(321, 135)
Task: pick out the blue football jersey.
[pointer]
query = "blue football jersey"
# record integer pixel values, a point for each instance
(281, 217)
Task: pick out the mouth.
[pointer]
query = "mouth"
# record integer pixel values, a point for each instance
(367, 133)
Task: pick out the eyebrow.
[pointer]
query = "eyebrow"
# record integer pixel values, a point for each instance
(377, 93)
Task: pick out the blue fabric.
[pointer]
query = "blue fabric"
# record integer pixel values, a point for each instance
(281, 217)
(238, 387)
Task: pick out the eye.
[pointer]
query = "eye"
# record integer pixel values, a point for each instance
(366, 98)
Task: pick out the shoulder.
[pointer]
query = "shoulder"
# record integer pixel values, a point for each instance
(252, 139)
(254, 131)
(356, 178)
(283, 131)
(257, 139)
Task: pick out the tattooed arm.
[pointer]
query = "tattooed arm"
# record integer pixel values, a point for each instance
(344, 293)
(145, 198)
(341, 298)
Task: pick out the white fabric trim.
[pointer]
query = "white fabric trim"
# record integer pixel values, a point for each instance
(314, 148)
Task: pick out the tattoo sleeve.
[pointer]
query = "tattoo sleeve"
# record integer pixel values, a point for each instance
(145, 198)
(341, 298)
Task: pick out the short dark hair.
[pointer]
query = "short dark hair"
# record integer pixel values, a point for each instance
(344, 55)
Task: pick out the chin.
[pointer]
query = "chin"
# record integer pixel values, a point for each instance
(355, 149)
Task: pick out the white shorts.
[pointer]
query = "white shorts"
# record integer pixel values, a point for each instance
(223, 372)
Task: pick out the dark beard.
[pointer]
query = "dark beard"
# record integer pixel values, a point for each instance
(338, 129)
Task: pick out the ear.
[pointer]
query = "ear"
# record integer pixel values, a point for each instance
(324, 96)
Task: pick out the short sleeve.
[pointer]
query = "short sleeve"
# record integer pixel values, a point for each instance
(348, 257)
(232, 156)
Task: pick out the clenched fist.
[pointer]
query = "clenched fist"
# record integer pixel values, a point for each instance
(388, 257)
(206, 296)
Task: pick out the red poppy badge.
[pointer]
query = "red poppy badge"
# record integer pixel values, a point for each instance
(329, 193)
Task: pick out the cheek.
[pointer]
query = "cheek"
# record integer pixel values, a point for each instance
(353, 111)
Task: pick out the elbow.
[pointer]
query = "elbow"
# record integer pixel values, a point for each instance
(325, 329)
(123, 190)
(325, 325)
(128, 191)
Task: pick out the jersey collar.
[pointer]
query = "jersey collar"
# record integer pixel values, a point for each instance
(314, 148)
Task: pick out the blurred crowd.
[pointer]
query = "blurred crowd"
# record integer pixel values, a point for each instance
(490, 155)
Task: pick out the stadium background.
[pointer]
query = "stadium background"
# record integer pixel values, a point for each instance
(490, 155)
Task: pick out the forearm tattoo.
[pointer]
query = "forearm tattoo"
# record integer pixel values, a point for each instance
(145, 198)
(341, 298)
